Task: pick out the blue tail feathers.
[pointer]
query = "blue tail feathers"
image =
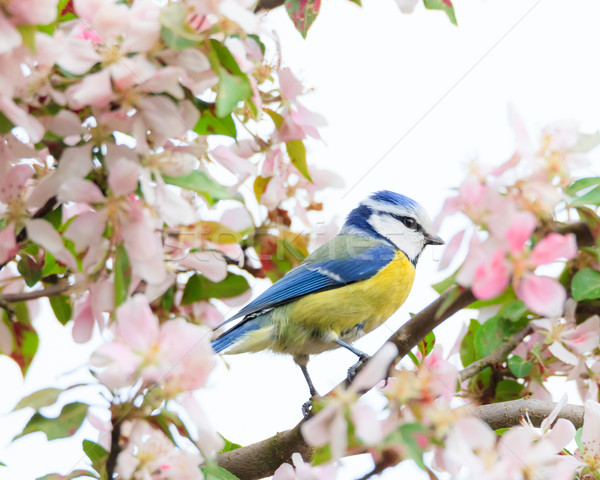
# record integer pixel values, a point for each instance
(231, 336)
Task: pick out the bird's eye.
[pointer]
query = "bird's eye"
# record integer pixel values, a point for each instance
(410, 223)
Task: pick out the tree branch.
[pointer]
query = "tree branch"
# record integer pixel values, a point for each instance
(496, 357)
(263, 458)
(53, 291)
(267, 5)
(508, 414)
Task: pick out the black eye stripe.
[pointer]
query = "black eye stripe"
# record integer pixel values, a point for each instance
(405, 220)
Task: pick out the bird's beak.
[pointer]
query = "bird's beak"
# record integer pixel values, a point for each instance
(433, 240)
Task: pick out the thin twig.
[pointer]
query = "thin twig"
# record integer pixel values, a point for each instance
(496, 357)
(115, 447)
(53, 291)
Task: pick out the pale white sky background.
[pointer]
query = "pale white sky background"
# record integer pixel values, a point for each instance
(409, 100)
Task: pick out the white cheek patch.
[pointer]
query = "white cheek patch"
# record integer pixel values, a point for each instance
(409, 241)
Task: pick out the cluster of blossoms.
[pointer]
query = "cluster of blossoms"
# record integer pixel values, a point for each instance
(521, 216)
(152, 155)
(114, 163)
(419, 418)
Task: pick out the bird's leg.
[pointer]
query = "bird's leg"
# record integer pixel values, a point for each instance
(354, 369)
(302, 362)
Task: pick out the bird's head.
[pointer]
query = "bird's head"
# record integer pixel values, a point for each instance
(397, 219)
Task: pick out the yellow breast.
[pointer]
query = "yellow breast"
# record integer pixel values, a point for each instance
(310, 324)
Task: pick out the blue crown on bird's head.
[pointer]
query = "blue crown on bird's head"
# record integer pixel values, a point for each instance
(357, 221)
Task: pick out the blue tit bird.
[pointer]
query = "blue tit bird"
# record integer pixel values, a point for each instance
(341, 291)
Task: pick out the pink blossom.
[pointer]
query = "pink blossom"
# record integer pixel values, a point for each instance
(94, 90)
(240, 165)
(8, 244)
(543, 295)
(210, 264)
(75, 162)
(559, 432)
(10, 38)
(143, 242)
(440, 375)
(43, 233)
(13, 182)
(590, 438)
(492, 277)
(208, 440)
(177, 354)
(329, 425)
(150, 454)
(304, 471)
(21, 118)
(567, 340)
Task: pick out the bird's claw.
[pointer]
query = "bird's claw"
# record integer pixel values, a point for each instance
(354, 369)
(307, 407)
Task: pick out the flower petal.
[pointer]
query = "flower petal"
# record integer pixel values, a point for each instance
(553, 247)
(491, 278)
(520, 230)
(542, 295)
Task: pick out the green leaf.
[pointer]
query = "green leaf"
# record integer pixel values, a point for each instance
(586, 285)
(519, 366)
(234, 86)
(28, 34)
(582, 184)
(229, 446)
(201, 183)
(212, 471)
(96, 453)
(29, 269)
(590, 198)
(5, 124)
(490, 335)
(260, 185)
(409, 434)
(55, 218)
(297, 152)
(175, 30)
(52, 267)
(165, 420)
(445, 284)
(508, 390)
(25, 338)
(445, 5)
(66, 424)
(70, 476)
(578, 440)
(231, 90)
(513, 310)
(62, 307)
(167, 301)
(427, 344)
(39, 399)
(276, 117)
(302, 13)
(199, 288)
(122, 272)
(358, 2)
(209, 124)
(468, 354)
(503, 298)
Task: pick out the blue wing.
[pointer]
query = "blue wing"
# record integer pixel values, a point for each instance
(311, 277)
